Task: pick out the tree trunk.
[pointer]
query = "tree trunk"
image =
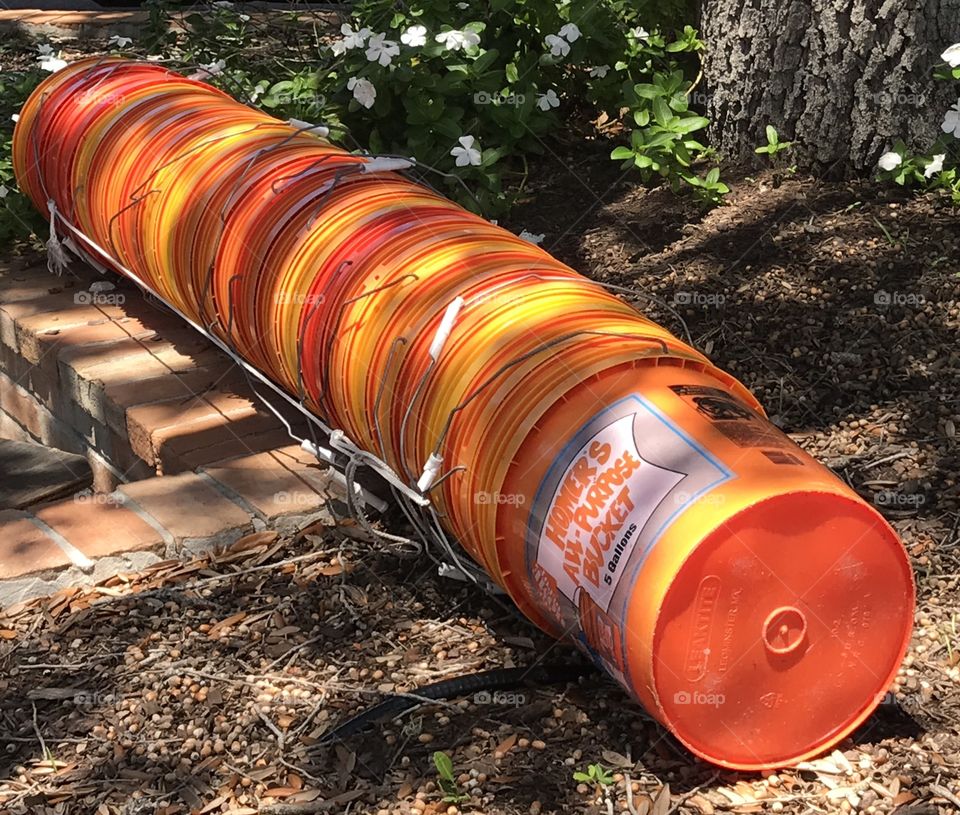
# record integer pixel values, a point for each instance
(842, 79)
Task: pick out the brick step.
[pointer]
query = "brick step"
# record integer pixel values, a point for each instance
(92, 535)
(183, 453)
(122, 378)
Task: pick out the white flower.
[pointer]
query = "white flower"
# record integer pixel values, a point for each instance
(244, 18)
(121, 42)
(15, 117)
(382, 50)
(890, 161)
(415, 36)
(52, 64)
(351, 39)
(935, 166)
(951, 122)
(44, 50)
(463, 5)
(599, 71)
(548, 100)
(534, 239)
(455, 40)
(363, 91)
(465, 153)
(640, 33)
(570, 32)
(213, 68)
(558, 46)
(3, 191)
(952, 55)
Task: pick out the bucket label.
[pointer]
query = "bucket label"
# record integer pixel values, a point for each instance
(604, 499)
(625, 477)
(742, 425)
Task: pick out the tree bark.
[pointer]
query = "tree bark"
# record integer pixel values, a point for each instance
(842, 79)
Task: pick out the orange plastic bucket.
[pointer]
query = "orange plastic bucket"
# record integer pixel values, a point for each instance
(755, 604)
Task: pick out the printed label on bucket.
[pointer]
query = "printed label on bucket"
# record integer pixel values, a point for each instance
(623, 479)
(597, 512)
(743, 426)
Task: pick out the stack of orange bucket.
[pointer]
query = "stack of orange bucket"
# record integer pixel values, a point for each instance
(625, 492)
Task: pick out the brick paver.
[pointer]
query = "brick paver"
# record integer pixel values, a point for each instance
(138, 393)
(187, 506)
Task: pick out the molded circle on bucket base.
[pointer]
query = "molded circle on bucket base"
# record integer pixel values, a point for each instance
(782, 630)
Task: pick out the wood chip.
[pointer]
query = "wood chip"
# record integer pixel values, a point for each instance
(506, 745)
(215, 629)
(661, 804)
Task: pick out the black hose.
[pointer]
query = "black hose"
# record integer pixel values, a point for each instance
(498, 679)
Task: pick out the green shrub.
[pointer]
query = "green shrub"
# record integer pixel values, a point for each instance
(939, 167)
(471, 90)
(18, 218)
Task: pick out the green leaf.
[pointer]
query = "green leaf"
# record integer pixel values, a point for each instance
(645, 91)
(621, 153)
(485, 60)
(662, 139)
(713, 176)
(642, 117)
(449, 127)
(491, 155)
(692, 123)
(444, 765)
(512, 73)
(772, 136)
(661, 112)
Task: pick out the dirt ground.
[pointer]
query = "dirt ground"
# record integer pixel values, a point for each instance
(206, 687)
